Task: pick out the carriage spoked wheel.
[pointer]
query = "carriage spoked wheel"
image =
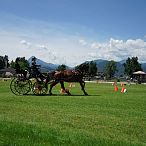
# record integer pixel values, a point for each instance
(39, 88)
(20, 86)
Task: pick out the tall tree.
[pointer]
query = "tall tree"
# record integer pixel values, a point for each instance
(110, 69)
(132, 65)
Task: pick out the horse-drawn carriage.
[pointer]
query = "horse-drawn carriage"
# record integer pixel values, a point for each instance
(38, 83)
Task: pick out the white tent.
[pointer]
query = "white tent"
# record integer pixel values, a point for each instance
(140, 76)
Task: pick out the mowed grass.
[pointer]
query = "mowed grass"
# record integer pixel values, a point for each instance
(104, 118)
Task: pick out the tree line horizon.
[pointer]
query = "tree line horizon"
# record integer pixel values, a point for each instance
(131, 65)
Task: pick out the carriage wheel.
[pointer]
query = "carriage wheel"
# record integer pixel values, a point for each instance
(13, 85)
(20, 87)
(39, 88)
(23, 87)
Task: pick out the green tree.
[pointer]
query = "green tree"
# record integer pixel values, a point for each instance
(12, 64)
(110, 69)
(92, 68)
(61, 67)
(132, 65)
(24, 64)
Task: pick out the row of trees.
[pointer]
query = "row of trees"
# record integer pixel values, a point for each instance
(131, 65)
(4, 63)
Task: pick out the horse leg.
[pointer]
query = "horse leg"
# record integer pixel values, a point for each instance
(82, 84)
(62, 86)
(51, 86)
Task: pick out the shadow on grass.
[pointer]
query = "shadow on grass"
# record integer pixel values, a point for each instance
(59, 95)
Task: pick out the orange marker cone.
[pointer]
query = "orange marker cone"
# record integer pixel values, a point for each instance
(116, 88)
(122, 90)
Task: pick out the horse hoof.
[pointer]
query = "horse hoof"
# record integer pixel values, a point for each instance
(86, 93)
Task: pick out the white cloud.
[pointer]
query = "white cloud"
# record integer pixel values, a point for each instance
(42, 47)
(119, 49)
(41, 51)
(96, 45)
(82, 42)
(24, 42)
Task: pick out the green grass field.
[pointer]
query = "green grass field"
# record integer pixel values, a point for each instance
(104, 118)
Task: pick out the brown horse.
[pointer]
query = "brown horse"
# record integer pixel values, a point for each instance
(68, 76)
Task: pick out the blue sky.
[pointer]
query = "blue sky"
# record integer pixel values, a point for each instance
(72, 31)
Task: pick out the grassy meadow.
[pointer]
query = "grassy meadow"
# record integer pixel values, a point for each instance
(104, 118)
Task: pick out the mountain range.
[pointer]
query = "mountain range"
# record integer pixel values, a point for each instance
(46, 67)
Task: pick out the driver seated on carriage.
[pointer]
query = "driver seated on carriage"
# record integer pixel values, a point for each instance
(35, 70)
(18, 68)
